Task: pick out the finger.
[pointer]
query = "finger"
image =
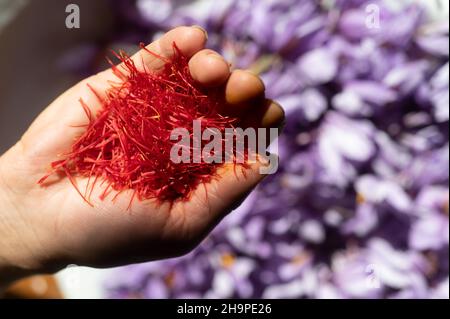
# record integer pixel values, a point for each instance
(268, 114)
(222, 195)
(66, 111)
(236, 182)
(209, 68)
(242, 87)
(189, 40)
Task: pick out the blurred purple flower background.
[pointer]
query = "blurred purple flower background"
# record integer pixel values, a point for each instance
(360, 205)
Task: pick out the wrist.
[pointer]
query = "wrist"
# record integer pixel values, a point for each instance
(10, 268)
(17, 256)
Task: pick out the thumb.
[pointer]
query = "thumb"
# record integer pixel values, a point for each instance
(235, 184)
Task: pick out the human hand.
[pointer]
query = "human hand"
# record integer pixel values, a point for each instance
(44, 229)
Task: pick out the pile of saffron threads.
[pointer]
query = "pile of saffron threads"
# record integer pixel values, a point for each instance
(126, 145)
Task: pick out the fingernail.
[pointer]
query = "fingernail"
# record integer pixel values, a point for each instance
(249, 71)
(214, 55)
(219, 58)
(202, 29)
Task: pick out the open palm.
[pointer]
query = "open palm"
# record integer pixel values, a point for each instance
(57, 227)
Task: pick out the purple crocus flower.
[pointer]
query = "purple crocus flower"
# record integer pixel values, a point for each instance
(359, 207)
(368, 272)
(431, 230)
(342, 142)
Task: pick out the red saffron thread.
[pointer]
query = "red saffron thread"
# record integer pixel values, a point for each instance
(127, 143)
